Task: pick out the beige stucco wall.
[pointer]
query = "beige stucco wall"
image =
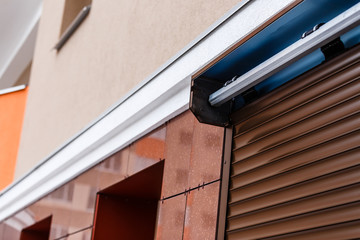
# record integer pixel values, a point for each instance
(119, 44)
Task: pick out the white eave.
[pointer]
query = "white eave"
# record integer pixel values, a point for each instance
(18, 27)
(160, 97)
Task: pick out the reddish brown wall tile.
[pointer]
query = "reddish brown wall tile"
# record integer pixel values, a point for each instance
(178, 152)
(147, 151)
(171, 216)
(82, 235)
(1, 230)
(113, 169)
(206, 154)
(201, 213)
(11, 229)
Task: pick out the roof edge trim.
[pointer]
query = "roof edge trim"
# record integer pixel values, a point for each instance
(12, 89)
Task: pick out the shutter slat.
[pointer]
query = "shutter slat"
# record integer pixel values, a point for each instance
(303, 121)
(341, 161)
(305, 96)
(338, 179)
(327, 155)
(347, 230)
(301, 206)
(319, 218)
(317, 137)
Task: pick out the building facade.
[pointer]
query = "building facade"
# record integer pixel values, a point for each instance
(188, 120)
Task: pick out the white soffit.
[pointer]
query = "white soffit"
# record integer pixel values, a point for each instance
(159, 98)
(18, 26)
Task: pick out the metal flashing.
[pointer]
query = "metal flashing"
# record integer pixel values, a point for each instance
(12, 89)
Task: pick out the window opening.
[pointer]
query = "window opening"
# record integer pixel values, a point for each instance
(75, 11)
(129, 205)
(38, 231)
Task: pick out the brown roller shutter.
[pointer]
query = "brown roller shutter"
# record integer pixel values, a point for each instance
(295, 170)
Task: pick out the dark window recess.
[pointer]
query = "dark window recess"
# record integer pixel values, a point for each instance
(38, 231)
(75, 11)
(128, 209)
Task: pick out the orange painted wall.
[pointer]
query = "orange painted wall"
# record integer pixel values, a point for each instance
(12, 107)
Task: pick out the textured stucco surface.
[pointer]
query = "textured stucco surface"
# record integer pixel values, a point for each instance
(118, 45)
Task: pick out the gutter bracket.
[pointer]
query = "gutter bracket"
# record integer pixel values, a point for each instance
(333, 49)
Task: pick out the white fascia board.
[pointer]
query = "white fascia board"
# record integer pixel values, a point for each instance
(159, 98)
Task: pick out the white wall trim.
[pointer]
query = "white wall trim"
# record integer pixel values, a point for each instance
(161, 97)
(12, 89)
